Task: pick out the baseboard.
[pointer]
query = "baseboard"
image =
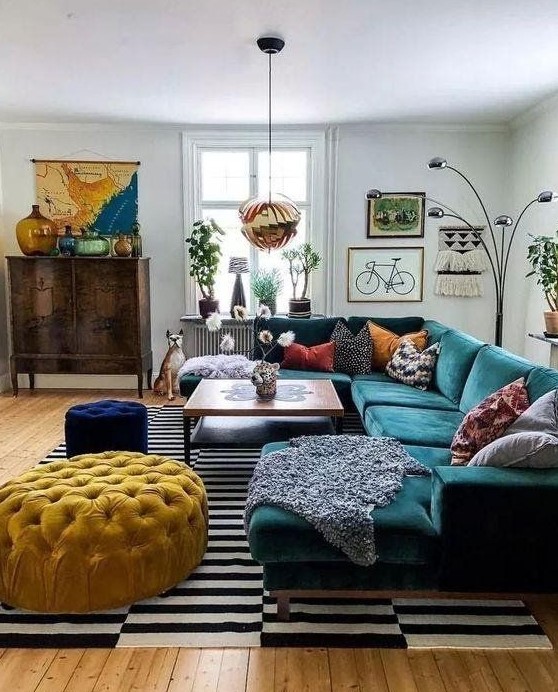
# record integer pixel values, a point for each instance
(80, 382)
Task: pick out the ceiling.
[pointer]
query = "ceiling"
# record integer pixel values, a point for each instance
(173, 61)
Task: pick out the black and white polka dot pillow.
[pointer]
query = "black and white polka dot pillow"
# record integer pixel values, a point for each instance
(353, 354)
(412, 366)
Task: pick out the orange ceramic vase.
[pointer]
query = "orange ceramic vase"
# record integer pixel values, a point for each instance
(36, 234)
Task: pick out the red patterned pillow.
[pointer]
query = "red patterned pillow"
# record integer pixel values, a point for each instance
(299, 357)
(488, 421)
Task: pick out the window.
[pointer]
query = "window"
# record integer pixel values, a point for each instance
(226, 172)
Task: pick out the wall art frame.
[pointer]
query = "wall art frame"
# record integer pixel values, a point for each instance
(385, 274)
(396, 215)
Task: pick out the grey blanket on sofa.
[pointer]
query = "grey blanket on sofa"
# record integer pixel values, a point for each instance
(334, 482)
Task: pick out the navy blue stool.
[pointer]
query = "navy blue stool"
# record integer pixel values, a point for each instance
(105, 426)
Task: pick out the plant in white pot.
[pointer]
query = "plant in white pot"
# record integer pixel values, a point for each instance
(205, 253)
(302, 260)
(542, 255)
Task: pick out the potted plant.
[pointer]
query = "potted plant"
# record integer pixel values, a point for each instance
(302, 261)
(266, 285)
(542, 254)
(205, 252)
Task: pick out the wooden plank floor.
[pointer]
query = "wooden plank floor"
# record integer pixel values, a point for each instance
(32, 424)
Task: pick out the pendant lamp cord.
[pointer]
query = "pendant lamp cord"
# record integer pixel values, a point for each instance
(269, 125)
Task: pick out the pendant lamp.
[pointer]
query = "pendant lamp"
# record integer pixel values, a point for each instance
(269, 223)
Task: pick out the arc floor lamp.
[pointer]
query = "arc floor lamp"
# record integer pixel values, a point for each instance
(497, 247)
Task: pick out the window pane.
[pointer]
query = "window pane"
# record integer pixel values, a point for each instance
(233, 244)
(269, 260)
(225, 175)
(289, 173)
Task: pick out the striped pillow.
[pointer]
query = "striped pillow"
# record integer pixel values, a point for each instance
(412, 366)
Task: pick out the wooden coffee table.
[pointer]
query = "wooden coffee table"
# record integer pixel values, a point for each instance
(300, 407)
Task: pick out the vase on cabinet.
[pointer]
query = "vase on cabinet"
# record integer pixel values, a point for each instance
(37, 236)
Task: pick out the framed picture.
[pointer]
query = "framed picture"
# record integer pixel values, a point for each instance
(384, 274)
(396, 215)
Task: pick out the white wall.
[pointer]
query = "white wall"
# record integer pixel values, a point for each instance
(394, 158)
(160, 212)
(388, 157)
(534, 168)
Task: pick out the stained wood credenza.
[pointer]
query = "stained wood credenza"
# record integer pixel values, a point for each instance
(80, 315)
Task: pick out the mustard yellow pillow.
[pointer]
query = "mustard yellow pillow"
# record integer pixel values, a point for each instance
(385, 343)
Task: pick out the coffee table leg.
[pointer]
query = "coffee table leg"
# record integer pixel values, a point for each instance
(338, 425)
(186, 428)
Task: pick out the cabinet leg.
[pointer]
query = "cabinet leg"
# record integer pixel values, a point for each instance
(31, 380)
(140, 385)
(149, 378)
(13, 373)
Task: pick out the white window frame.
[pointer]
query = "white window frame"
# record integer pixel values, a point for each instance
(313, 140)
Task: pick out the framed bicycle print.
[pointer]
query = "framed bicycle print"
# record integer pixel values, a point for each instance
(384, 274)
(396, 215)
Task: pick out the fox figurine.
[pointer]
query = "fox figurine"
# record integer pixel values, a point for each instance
(166, 383)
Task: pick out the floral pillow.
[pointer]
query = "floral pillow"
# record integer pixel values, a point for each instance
(488, 421)
(412, 365)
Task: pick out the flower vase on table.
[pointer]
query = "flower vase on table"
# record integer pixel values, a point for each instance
(264, 375)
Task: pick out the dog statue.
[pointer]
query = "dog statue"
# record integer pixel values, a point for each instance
(167, 382)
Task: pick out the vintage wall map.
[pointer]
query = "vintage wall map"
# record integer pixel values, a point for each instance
(99, 194)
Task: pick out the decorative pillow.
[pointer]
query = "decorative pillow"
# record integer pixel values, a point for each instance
(522, 450)
(540, 417)
(488, 420)
(385, 343)
(299, 357)
(353, 354)
(412, 366)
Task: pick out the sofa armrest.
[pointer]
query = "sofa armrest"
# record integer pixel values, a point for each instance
(498, 528)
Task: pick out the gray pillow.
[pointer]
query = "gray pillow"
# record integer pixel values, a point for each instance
(534, 450)
(540, 417)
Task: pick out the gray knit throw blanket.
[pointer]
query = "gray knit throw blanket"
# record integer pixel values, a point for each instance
(334, 482)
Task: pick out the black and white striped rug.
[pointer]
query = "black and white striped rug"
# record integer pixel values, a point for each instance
(223, 604)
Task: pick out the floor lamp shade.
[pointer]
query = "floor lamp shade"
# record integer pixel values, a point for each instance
(238, 266)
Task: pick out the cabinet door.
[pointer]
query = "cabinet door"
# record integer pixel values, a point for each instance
(106, 307)
(42, 305)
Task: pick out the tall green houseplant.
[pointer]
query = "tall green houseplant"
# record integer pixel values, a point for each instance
(542, 255)
(205, 254)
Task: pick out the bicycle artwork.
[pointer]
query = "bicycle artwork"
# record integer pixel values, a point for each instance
(385, 274)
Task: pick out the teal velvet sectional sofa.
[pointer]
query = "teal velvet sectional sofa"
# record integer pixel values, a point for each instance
(462, 529)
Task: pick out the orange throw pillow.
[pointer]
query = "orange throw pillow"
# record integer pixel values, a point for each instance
(299, 357)
(385, 343)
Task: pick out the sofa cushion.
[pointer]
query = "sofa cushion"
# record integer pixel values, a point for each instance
(188, 383)
(492, 369)
(435, 330)
(488, 420)
(367, 393)
(541, 381)
(374, 376)
(386, 342)
(413, 367)
(353, 354)
(340, 381)
(299, 357)
(308, 332)
(430, 456)
(399, 325)
(413, 426)
(403, 531)
(457, 354)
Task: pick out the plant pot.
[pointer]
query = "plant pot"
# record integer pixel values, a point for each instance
(301, 308)
(551, 322)
(271, 304)
(207, 306)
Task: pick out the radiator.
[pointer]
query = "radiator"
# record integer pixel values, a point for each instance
(199, 341)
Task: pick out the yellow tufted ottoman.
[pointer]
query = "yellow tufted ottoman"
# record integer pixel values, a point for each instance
(99, 531)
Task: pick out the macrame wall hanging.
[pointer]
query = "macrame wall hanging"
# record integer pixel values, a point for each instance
(460, 262)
